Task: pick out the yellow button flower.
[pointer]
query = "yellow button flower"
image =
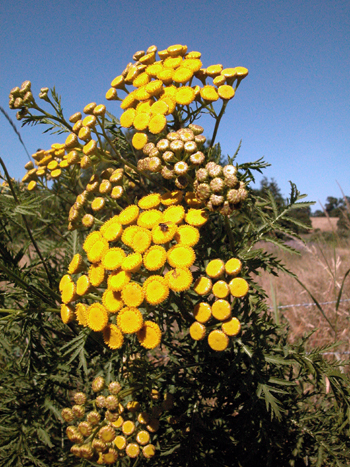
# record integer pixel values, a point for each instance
(67, 313)
(196, 217)
(215, 268)
(221, 289)
(68, 293)
(182, 75)
(238, 287)
(113, 337)
(129, 233)
(185, 95)
(117, 280)
(112, 301)
(129, 215)
(143, 437)
(149, 336)
(90, 240)
(187, 235)
(132, 262)
(150, 201)
(233, 266)
(209, 93)
(112, 231)
(141, 121)
(132, 294)
(81, 314)
(163, 232)
(128, 427)
(181, 256)
(97, 317)
(231, 327)
(149, 451)
(132, 450)
(202, 312)
(156, 290)
(174, 214)
(83, 285)
(113, 258)
(202, 286)
(179, 279)
(157, 123)
(97, 274)
(76, 264)
(172, 197)
(197, 331)
(127, 118)
(139, 140)
(154, 258)
(141, 240)
(226, 92)
(97, 251)
(120, 442)
(129, 320)
(218, 340)
(221, 310)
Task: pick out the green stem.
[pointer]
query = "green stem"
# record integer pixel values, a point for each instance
(229, 233)
(222, 111)
(26, 223)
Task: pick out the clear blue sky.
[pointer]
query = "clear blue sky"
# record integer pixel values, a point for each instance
(293, 108)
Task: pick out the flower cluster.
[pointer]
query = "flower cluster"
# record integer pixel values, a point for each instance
(219, 306)
(21, 99)
(111, 425)
(219, 188)
(164, 87)
(124, 254)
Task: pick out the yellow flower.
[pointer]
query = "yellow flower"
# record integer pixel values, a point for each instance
(112, 230)
(156, 290)
(154, 87)
(149, 201)
(175, 50)
(66, 279)
(202, 286)
(231, 327)
(202, 312)
(113, 258)
(187, 235)
(88, 220)
(154, 258)
(174, 214)
(129, 233)
(97, 317)
(68, 292)
(132, 450)
(117, 192)
(128, 101)
(112, 95)
(120, 442)
(143, 437)
(141, 94)
(229, 73)
(238, 287)
(185, 95)
(149, 219)
(193, 54)
(172, 62)
(81, 314)
(97, 251)
(132, 262)
(209, 93)
(149, 336)
(215, 268)
(153, 70)
(109, 457)
(226, 92)
(172, 197)
(166, 75)
(182, 75)
(218, 340)
(67, 313)
(141, 240)
(139, 140)
(160, 107)
(141, 80)
(129, 320)
(197, 331)
(113, 337)
(181, 256)
(145, 106)
(132, 294)
(144, 417)
(157, 124)
(90, 240)
(133, 406)
(112, 301)
(241, 72)
(179, 279)
(127, 118)
(141, 121)
(221, 310)
(54, 174)
(233, 266)
(221, 289)
(196, 217)
(192, 63)
(214, 70)
(119, 422)
(76, 264)
(128, 427)
(83, 285)
(149, 451)
(163, 232)
(118, 280)
(97, 274)
(98, 204)
(129, 215)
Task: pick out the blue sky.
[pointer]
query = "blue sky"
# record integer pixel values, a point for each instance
(293, 108)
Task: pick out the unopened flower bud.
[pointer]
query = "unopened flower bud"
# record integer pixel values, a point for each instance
(79, 398)
(226, 209)
(214, 170)
(67, 415)
(114, 387)
(29, 165)
(89, 108)
(75, 117)
(15, 92)
(180, 168)
(18, 103)
(167, 173)
(217, 185)
(229, 170)
(190, 147)
(200, 140)
(202, 175)
(93, 417)
(88, 220)
(26, 86)
(148, 148)
(111, 402)
(98, 445)
(100, 401)
(78, 411)
(242, 193)
(203, 191)
(71, 141)
(74, 435)
(177, 147)
(85, 428)
(173, 136)
(231, 181)
(85, 162)
(111, 416)
(154, 164)
(99, 110)
(217, 200)
(233, 196)
(98, 384)
(86, 452)
(28, 98)
(197, 129)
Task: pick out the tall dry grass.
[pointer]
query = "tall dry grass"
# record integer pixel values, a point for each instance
(321, 268)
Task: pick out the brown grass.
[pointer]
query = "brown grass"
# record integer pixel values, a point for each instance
(325, 224)
(321, 268)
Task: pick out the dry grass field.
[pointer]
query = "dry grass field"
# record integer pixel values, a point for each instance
(321, 268)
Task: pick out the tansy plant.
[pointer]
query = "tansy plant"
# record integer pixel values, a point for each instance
(145, 242)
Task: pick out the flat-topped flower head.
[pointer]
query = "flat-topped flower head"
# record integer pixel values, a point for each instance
(154, 258)
(76, 264)
(132, 450)
(149, 451)
(112, 301)
(181, 256)
(129, 320)
(90, 240)
(68, 293)
(150, 201)
(113, 337)
(172, 197)
(221, 289)
(156, 290)
(149, 336)
(197, 331)
(218, 340)
(132, 294)
(238, 287)
(174, 214)
(187, 235)
(113, 259)
(81, 314)
(118, 279)
(143, 437)
(97, 274)
(132, 262)
(215, 268)
(203, 285)
(163, 232)
(97, 250)
(129, 215)
(196, 217)
(233, 266)
(179, 279)
(150, 218)
(141, 240)
(97, 317)
(221, 310)
(83, 285)
(202, 312)
(67, 313)
(231, 327)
